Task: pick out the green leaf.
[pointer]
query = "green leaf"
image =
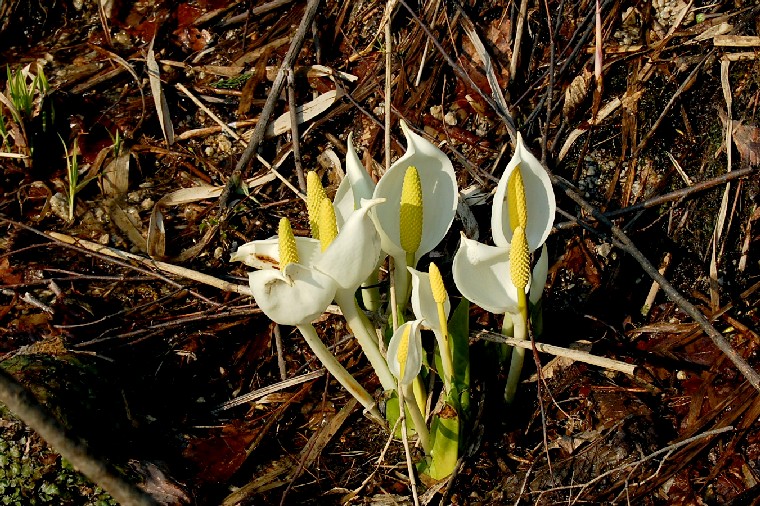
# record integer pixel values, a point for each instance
(537, 318)
(445, 435)
(392, 413)
(459, 333)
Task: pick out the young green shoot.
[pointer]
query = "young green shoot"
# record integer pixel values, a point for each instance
(72, 174)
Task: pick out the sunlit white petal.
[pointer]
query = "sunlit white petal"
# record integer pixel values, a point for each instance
(294, 297)
(538, 194)
(414, 352)
(439, 194)
(265, 254)
(354, 253)
(423, 303)
(481, 273)
(355, 186)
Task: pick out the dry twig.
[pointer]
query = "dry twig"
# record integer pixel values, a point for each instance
(28, 409)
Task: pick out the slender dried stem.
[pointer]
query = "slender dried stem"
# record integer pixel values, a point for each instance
(28, 409)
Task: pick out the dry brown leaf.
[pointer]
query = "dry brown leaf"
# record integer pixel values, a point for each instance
(304, 113)
(483, 56)
(499, 33)
(156, 234)
(747, 141)
(116, 175)
(8, 276)
(576, 92)
(159, 99)
(127, 224)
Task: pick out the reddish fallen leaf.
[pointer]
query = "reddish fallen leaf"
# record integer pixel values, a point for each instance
(747, 141)
(219, 455)
(7, 275)
(193, 39)
(578, 260)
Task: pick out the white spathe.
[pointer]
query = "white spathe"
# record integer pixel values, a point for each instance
(297, 295)
(302, 291)
(423, 304)
(481, 273)
(265, 254)
(539, 196)
(357, 185)
(439, 195)
(354, 253)
(413, 359)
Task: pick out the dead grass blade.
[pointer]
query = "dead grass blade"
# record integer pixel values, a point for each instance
(472, 34)
(156, 242)
(162, 108)
(162, 266)
(576, 93)
(720, 221)
(604, 111)
(304, 113)
(127, 224)
(115, 180)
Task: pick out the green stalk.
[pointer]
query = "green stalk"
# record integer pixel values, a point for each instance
(402, 280)
(340, 373)
(407, 399)
(420, 393)
(520, 323)
(444, 349)
(365, 335)
(371, 293)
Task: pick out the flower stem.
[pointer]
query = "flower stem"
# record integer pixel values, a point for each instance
(520, 322)
(407, 399)
(444, 349)
(340, 373)
(402, 280)
(420, 393)
(365, 335)
(371, 293)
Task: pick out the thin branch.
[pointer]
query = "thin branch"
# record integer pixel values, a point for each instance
(504, 115)
(294, 130)
(629, 247)
(241, 169)
(672, 196)
(112, 253)
(577, 355)
(28, 409)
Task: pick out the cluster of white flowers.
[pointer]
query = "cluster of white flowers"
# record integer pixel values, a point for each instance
(404, 217)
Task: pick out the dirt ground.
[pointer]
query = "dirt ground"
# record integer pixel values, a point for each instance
(149, 351)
